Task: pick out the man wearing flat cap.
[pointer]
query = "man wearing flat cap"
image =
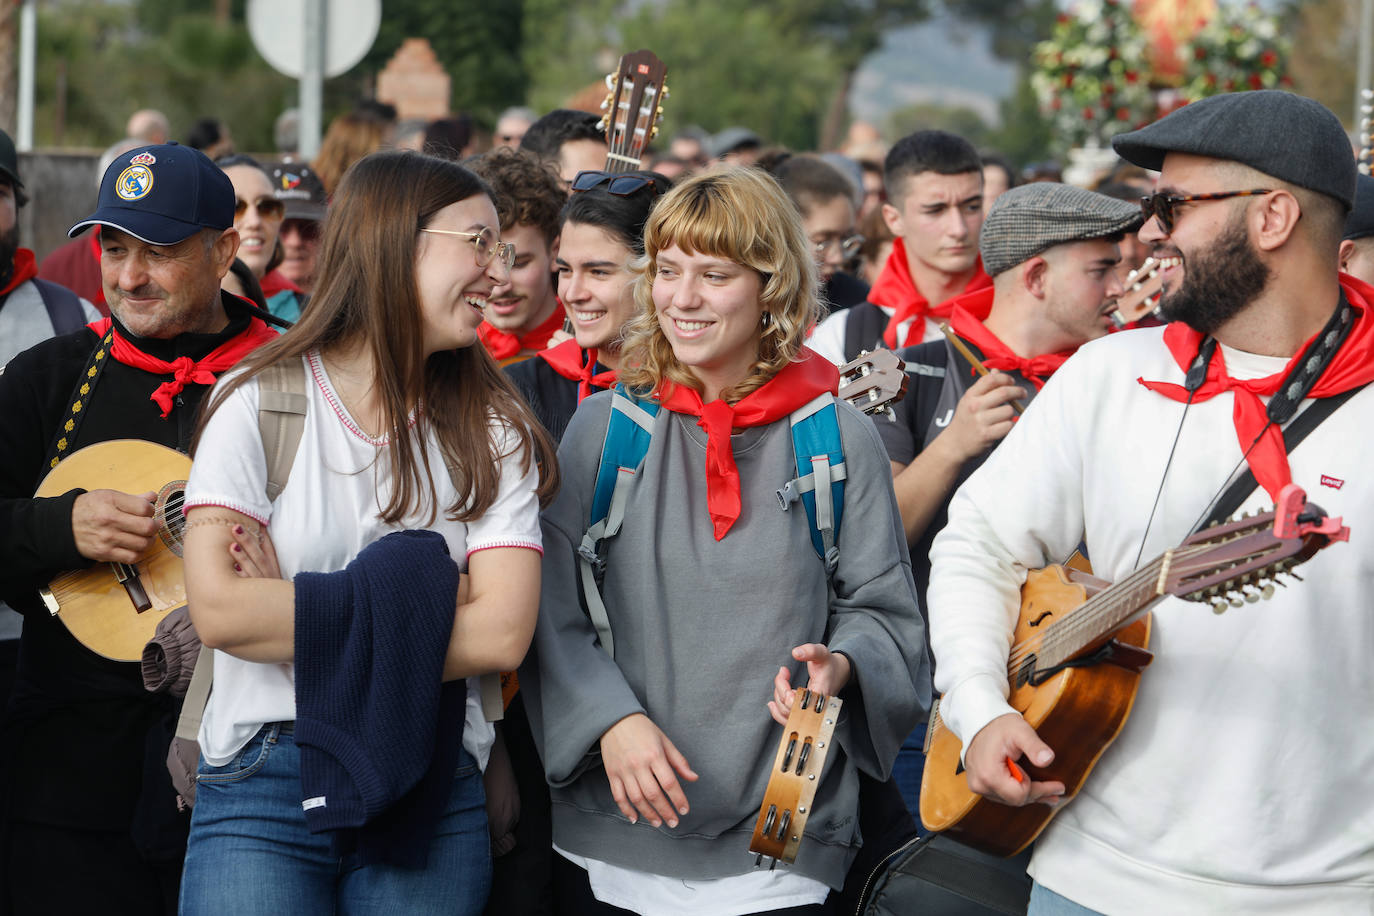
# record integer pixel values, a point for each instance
(1240, 782)
(91, 822)
(1051, 250)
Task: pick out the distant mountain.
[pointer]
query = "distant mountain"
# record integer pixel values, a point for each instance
(941, 61)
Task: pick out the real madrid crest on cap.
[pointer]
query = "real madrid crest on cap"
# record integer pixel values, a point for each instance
(137, 180)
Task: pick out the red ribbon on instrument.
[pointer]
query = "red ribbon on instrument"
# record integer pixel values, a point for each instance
(503, 344)
(184, 370)
(566, 360)
(1353, 365)
(997, 355)
(797, 383)
(895, 289)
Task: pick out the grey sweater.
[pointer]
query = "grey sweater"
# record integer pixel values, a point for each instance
(701, 627)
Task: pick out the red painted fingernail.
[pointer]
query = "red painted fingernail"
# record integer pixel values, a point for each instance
(238, 529)
(238, 568)
(236, 548)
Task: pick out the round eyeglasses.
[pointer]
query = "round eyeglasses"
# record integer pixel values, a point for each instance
(484, 245)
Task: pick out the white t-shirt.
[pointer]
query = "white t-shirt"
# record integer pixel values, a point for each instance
(756, 891)
(827, 338)
(327, 513)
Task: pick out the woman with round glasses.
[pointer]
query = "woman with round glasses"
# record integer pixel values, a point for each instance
(601, 235)
(414, 454)
(717, 604)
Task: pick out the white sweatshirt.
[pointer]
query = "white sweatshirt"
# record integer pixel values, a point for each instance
(1243, 781)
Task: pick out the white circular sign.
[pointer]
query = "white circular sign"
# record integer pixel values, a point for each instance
(277, 28)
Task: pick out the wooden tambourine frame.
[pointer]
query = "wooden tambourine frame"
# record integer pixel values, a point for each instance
(795, 776)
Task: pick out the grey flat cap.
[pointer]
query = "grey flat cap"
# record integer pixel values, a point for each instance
(1278, 133)
(1360, 222)
(1033, 218)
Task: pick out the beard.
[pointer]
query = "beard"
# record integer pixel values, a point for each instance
(9, 246)
(1218, 283)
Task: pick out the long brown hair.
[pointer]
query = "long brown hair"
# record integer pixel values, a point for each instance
(367, 292)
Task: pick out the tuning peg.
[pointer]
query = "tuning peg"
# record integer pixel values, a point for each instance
(610, 81)
(1236, 599)
(1268, 591)
(1219, 606)
(1252, 594)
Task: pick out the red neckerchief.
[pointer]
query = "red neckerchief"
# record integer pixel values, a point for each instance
(795, 385)
(503, 344)
(25, 269)
(566, 360)
(896, 290)
(184, 370)
(1352, 365)
(997, 355)
(95, 253)
(275, 282)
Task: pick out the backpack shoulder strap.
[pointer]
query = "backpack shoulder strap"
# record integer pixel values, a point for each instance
(821, 472)
(863, 328)
(63, 305)
(281, 419)
(628, 434)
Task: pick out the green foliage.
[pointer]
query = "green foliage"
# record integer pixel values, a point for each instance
(560, 46)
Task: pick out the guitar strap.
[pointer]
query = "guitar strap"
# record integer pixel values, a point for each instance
(1241, 488)
(80, 397)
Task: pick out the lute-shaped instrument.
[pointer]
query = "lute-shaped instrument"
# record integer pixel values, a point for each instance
(1079, 648)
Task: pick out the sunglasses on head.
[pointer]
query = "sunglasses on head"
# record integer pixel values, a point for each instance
(621, 185)
(268, 208)
(1161, 206)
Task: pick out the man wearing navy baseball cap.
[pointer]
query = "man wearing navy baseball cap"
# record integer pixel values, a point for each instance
(86, 743)
(1240, 782)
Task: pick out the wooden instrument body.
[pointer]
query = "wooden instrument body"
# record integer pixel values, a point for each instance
(797, 767)
(93, 603)
(1078, 711)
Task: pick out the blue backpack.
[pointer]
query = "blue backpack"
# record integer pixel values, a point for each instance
(819, 456)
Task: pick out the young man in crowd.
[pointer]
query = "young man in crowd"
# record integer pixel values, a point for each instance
(85, 743)
(523, 313)
(934, 186)
(1052, 251)
(570, 140)
(1240, 781)
(825, 199)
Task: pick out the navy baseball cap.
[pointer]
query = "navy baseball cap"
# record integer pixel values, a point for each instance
(162, 195)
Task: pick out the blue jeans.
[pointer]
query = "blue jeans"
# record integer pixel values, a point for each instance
(251, 853)
(1045, 902)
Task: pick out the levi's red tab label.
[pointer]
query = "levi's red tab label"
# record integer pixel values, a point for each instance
(1334, 483)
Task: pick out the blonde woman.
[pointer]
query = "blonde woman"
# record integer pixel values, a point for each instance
(718, 604)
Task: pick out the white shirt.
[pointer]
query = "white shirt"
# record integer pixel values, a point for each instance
(327, 513)
(1241, 782)
(828, 337)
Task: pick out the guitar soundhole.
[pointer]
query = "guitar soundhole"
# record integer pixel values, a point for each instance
(170, 515)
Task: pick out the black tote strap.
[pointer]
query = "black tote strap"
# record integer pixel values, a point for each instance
(1294, 433)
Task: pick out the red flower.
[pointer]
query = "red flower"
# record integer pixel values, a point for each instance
(1123, 114)
(1200, 53)
(1211, 79)
(1132, 76)
(1087, 114)
(1269, 58)
(1285, 80)
(1068, 79)
(1062, 19)
(1255, 81)
(1230, 86)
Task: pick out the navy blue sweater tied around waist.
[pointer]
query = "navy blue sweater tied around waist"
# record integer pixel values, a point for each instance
(379, 732)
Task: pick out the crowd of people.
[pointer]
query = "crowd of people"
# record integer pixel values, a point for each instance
(525, 502)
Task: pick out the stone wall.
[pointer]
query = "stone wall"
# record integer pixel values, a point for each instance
(62, 189)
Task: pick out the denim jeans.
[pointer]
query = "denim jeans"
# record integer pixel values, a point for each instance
(251, 853)
(1045, 902)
